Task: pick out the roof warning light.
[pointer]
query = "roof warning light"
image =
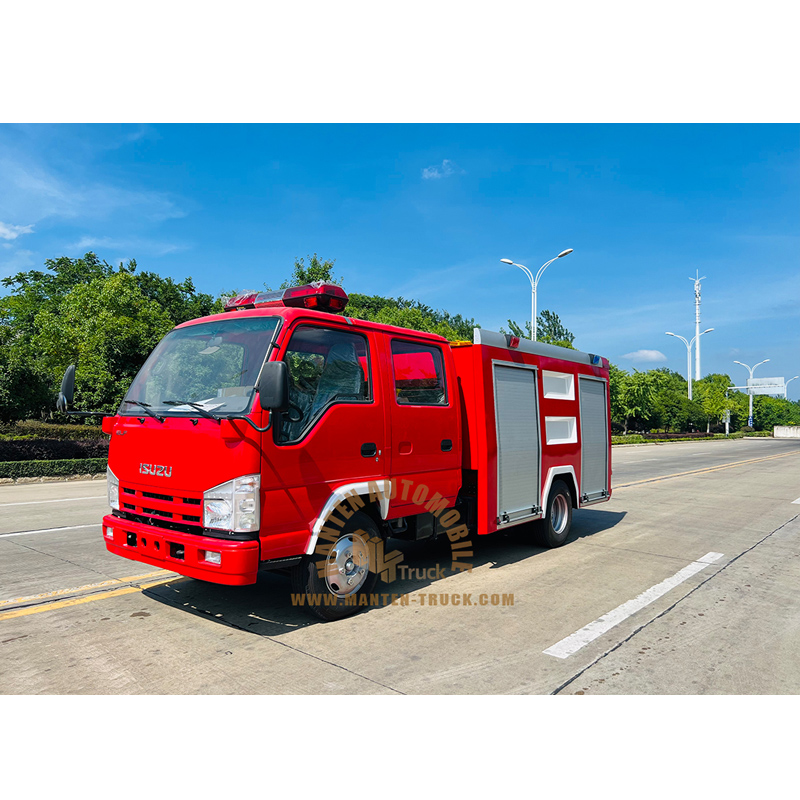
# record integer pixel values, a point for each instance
(319, 295)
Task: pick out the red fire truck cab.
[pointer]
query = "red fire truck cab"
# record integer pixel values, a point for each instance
(283, 434)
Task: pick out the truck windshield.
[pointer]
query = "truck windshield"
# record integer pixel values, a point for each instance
(212, 365)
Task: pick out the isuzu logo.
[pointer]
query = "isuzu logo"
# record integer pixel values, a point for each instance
(155, 469)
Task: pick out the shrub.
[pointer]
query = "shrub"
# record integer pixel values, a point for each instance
(31, 448)
(61, 467)
(55, 430)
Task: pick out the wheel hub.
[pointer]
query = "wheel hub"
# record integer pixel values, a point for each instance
(559, 514)
(347, 565)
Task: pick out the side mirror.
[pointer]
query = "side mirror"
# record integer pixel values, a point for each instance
(67, 392)
(273, 386)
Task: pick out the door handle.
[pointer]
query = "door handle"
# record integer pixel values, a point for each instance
(447, 445)
(369, 449)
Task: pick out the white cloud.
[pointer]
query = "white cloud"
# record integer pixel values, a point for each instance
(31, 190)
(443, 170)
(10, 232)
(135, 245)
(645, 356)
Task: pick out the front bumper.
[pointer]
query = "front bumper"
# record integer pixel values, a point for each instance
(183, 553)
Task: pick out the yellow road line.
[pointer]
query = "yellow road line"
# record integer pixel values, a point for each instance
(706, 469)
(110, 582)
(22, 612)
(76, 601)
(148, 575)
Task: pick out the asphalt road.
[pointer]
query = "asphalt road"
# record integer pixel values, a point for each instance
(631, 463)
(684, 583)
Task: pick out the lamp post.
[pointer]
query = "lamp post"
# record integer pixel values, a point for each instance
(689, 354)
(534, 284)
(785, 385)
(750, 388)
(697, 333)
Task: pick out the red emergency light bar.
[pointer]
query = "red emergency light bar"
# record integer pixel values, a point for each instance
(318, 295)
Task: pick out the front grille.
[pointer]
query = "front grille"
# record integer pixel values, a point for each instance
(156, 513)
(158, 496)
(160, 506)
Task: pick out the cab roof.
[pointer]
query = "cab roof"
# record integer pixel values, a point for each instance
(290, 315)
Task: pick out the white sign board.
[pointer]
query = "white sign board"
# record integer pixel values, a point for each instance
(766, 386)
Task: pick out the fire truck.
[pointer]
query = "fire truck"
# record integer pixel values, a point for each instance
(282, 434)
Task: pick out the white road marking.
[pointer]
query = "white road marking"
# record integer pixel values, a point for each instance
(575, 641)
(796, 502)
(704, 453)
(50, 530)
(64, 500)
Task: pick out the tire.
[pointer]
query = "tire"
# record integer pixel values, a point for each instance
(347, 573)
(553, 530)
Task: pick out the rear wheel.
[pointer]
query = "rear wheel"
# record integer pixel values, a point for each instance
(553, 530)
(333, 582)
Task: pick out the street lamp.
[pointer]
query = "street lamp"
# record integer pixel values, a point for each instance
(534, 283)
(785, 391)
(750, 388)
(689, 354)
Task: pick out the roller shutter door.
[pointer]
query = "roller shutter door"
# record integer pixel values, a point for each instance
(517, 443)
(594, 439)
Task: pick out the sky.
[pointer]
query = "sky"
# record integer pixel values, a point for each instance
(427, 211)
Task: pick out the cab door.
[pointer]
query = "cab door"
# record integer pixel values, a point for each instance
(334, 430)
(423, 426)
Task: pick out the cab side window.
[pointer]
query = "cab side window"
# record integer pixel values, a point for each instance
(326, 366)
(419, 378)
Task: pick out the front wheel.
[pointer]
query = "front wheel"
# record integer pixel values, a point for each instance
(553, 530)
(331, 582)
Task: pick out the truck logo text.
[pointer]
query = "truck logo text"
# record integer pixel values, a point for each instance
(155, 469)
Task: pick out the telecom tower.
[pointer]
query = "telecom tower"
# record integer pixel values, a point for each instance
(697, 280)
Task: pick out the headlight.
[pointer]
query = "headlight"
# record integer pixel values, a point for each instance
(234, 506)
(113, 489)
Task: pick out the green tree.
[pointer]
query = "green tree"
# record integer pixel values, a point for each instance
(636, 396)
(715, 397)
(181, 301)
(672, 409)
(740, 408)
(410, 314)
(317, 270)
(771, 411)
(107, 328)
(399, 311)
(24, 388)
(64, 313)
(616, 378)
(549, 329)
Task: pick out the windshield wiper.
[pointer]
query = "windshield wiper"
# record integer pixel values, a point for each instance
(146, 407)
(208, 414)
(196, 406)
